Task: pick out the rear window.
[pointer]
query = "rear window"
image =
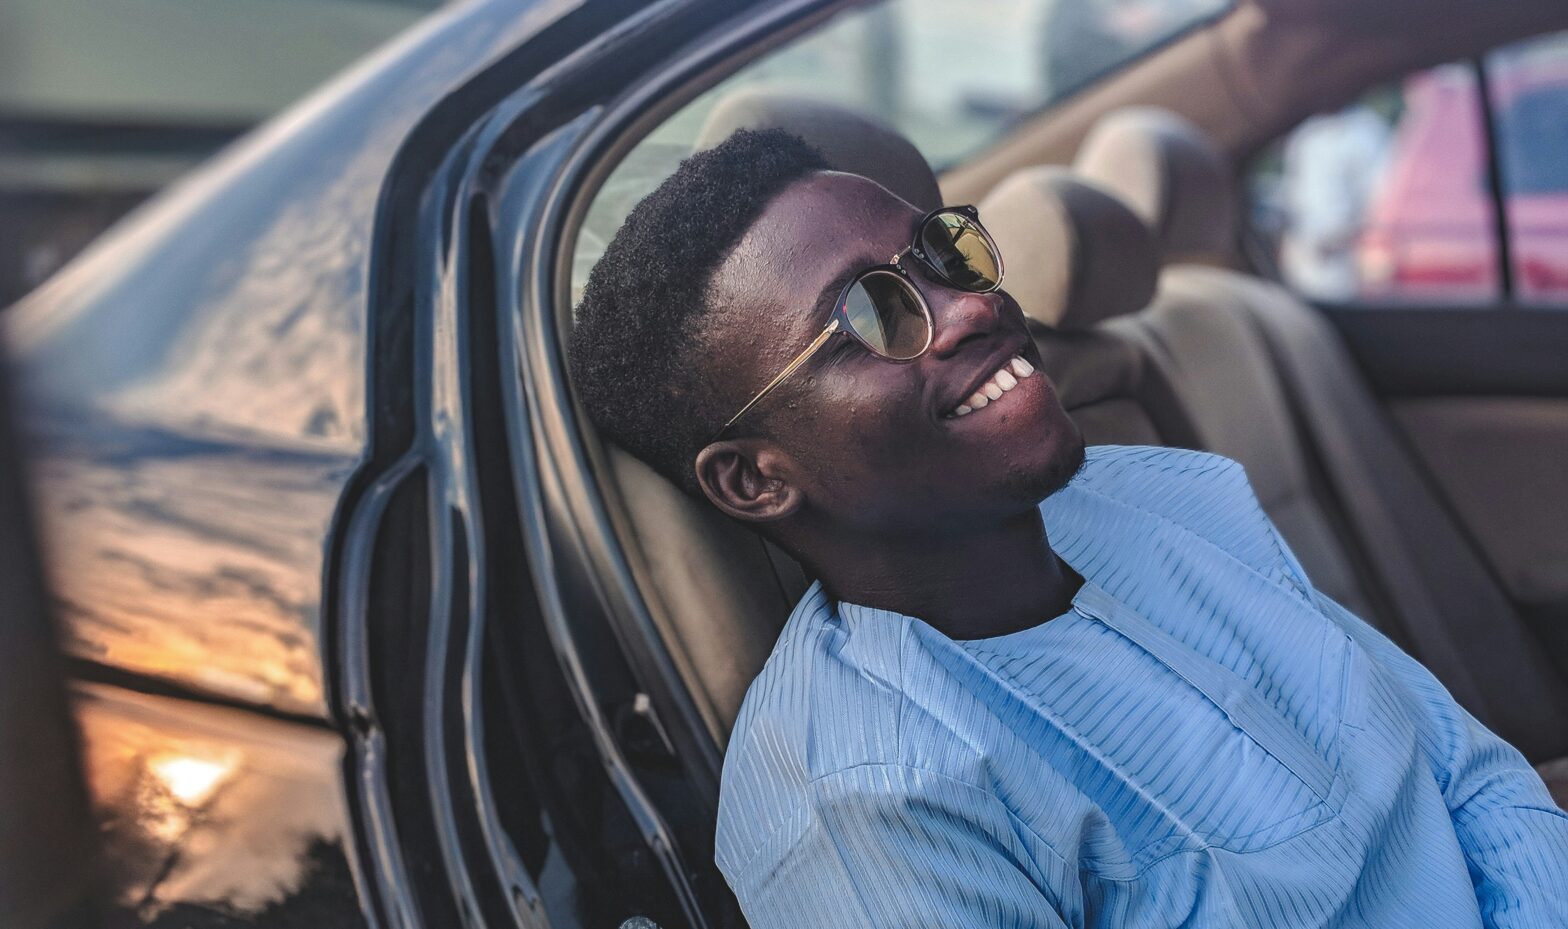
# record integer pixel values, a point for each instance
(1391, 199)
(951, 76)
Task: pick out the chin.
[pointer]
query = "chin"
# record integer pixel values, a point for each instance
(1064, 459)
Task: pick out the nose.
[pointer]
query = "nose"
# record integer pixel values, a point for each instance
(959, 317)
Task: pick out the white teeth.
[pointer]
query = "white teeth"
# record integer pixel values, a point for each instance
(1005, 379)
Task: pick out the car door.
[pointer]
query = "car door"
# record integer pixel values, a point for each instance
(1429, 220)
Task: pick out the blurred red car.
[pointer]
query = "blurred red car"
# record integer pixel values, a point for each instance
(1430, 232)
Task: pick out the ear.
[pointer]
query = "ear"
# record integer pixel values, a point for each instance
(747, 479)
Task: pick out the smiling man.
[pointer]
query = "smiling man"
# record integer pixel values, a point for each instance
(1032, 686)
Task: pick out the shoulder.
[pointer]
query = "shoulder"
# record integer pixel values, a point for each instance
(820, 672)
(1203, 494)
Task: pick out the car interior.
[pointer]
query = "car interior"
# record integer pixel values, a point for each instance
(1414, 468)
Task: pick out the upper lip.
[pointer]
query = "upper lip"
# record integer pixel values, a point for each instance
(990, 366)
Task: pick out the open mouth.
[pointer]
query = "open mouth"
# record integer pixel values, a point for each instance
(995, 388)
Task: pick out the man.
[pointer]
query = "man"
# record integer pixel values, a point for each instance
(1125, 705)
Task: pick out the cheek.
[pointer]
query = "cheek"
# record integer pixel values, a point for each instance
(857, 434)
(885, 425)
(861, 395)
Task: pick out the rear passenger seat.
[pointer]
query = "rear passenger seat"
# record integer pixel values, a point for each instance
(1266, 380)
(1077, 260)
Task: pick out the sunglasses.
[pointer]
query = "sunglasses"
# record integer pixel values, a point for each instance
(884, 310)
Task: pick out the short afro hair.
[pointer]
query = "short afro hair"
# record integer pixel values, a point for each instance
(632, 346)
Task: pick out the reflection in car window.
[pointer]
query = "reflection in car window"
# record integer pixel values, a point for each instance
(1390, 200)
(952, 77)
(1386, 201)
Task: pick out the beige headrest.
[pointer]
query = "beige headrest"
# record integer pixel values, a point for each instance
(848, 140)
(1074, 255)
(1171, 175)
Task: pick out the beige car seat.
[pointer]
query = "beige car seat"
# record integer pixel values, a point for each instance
(1267, 381)
(1078, 260)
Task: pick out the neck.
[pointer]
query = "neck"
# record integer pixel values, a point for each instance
(988, 582)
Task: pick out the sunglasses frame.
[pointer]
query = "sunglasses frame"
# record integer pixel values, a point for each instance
(839, 323)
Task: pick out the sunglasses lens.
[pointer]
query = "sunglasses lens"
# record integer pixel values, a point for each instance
(886, 314)
(959, 251)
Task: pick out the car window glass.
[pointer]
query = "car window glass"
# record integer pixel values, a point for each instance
(1528, 85)
(1386, 200)
(1390, 200)
(952, 77)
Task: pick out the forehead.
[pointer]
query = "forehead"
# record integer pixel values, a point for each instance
(828, 211)
(808, 236)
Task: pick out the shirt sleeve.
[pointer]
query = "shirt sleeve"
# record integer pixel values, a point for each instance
(1514, 838)
(892, 847)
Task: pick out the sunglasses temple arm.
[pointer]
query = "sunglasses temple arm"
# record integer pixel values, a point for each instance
(789, 369)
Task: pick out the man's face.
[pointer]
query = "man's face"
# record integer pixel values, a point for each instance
(870, 443)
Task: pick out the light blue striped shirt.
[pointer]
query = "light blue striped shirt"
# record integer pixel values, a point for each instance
(1203, 740)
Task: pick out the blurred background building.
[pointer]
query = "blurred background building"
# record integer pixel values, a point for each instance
(104, 103)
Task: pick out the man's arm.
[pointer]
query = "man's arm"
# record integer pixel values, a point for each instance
(893, 847)
(1513, 836)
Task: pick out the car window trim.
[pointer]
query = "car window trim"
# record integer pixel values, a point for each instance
(1501, 227)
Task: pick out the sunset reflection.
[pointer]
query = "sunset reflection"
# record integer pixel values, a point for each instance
(206, 804)
(190, 780)
(173, 787)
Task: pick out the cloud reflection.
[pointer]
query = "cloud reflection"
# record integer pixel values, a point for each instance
(195, 562)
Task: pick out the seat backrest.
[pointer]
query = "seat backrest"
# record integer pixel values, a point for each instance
(1076, 260)
(850, 141)
(1267, 381)
(1199, 331)
(718, 592)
